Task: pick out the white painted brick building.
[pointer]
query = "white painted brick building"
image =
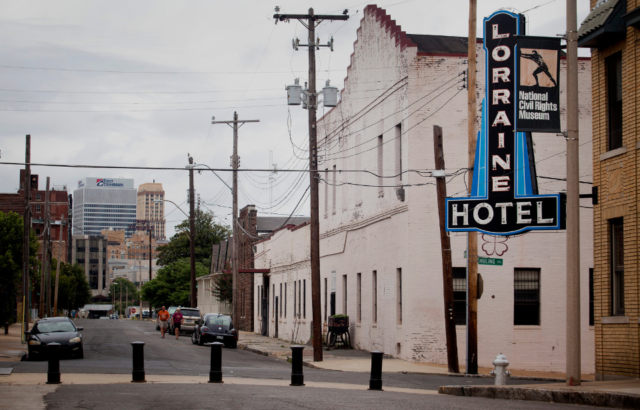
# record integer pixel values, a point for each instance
(372, 243)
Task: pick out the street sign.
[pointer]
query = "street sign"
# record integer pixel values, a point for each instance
(133, 310)
(504, 196)
(490, 261)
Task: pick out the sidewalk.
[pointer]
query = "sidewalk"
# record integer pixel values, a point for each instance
(353, 360)
(11, 347)
(623, 394)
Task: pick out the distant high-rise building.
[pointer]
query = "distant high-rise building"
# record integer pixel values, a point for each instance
(150, 210)
(101, 203)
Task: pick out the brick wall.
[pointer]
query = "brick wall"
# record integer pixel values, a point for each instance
(617, 345)
(248, 221)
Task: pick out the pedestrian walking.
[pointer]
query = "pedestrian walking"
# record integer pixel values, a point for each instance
(178, 320)
(163, 320)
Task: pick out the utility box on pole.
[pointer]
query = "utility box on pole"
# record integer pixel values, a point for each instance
(294, 93)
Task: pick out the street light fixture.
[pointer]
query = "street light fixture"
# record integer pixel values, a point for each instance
(166, 200)
(189, 166)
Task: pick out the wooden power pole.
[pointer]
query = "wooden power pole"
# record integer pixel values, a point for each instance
(46, 256)
(45, 247)
(235, 164)
(192, 235)
(472, 246)
(573, 201)
(55, 294)
(26, 235)
(445, 244)
(310, 21)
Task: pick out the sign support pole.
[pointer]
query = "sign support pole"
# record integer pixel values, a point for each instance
(445, 246)
(573, 202)
(472, 239)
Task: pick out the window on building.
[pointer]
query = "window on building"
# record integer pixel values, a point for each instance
(38, 208)
(299, 298)
(325, 300)
(333, 191)
(38, 197)
(295, 311)
(374, 296)
(359, 297)
(281, 300)
(285, 300)
(460, 295)
(344, 294)
(591, 316)
(304, 298)
(380, 163)
(273, 314)
(526, 284)
(37, 231)
(399, 295)
(398, 142)
(614, 97)
(617, 259)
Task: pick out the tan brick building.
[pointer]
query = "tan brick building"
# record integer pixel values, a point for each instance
(116, 243)
(148, 209)
(611, 31)
(138, 246)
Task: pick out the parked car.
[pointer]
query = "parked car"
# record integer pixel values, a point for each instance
(215, 327)
(114, 316)
(145, 314)
(54, 329)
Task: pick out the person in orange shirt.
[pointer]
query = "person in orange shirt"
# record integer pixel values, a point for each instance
(163, 320)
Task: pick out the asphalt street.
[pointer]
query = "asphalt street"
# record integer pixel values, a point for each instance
(107, 347)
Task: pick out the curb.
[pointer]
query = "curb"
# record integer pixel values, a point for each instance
(600, 399)
(532, 378)
(243, 346)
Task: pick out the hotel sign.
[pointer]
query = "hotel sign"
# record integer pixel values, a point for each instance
(504, 197)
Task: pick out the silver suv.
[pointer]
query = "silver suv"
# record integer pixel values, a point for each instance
(191, 315)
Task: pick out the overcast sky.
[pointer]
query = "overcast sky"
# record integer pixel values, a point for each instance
(135, 83)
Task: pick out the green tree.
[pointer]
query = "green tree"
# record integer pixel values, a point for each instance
(11, 232)
(128, 289)
(73, 288)
(223, 287)
(208, 233)
(172, 286)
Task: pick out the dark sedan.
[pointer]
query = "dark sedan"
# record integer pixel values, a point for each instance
(55, 329)
(214, 327)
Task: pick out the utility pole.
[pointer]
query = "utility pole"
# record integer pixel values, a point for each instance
(25, 235)
(445, 244)
(472, 238)
(312, 20)
(150, 256)
(55, 297)
(192, 236)
(45, 246)
(573, 202)
(46, 260)
(235, 163)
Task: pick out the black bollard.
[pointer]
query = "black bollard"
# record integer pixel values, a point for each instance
(6, 328)
(297, 378)
(375, 383)
(53, 372)
(215, 372)
(138, 375)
